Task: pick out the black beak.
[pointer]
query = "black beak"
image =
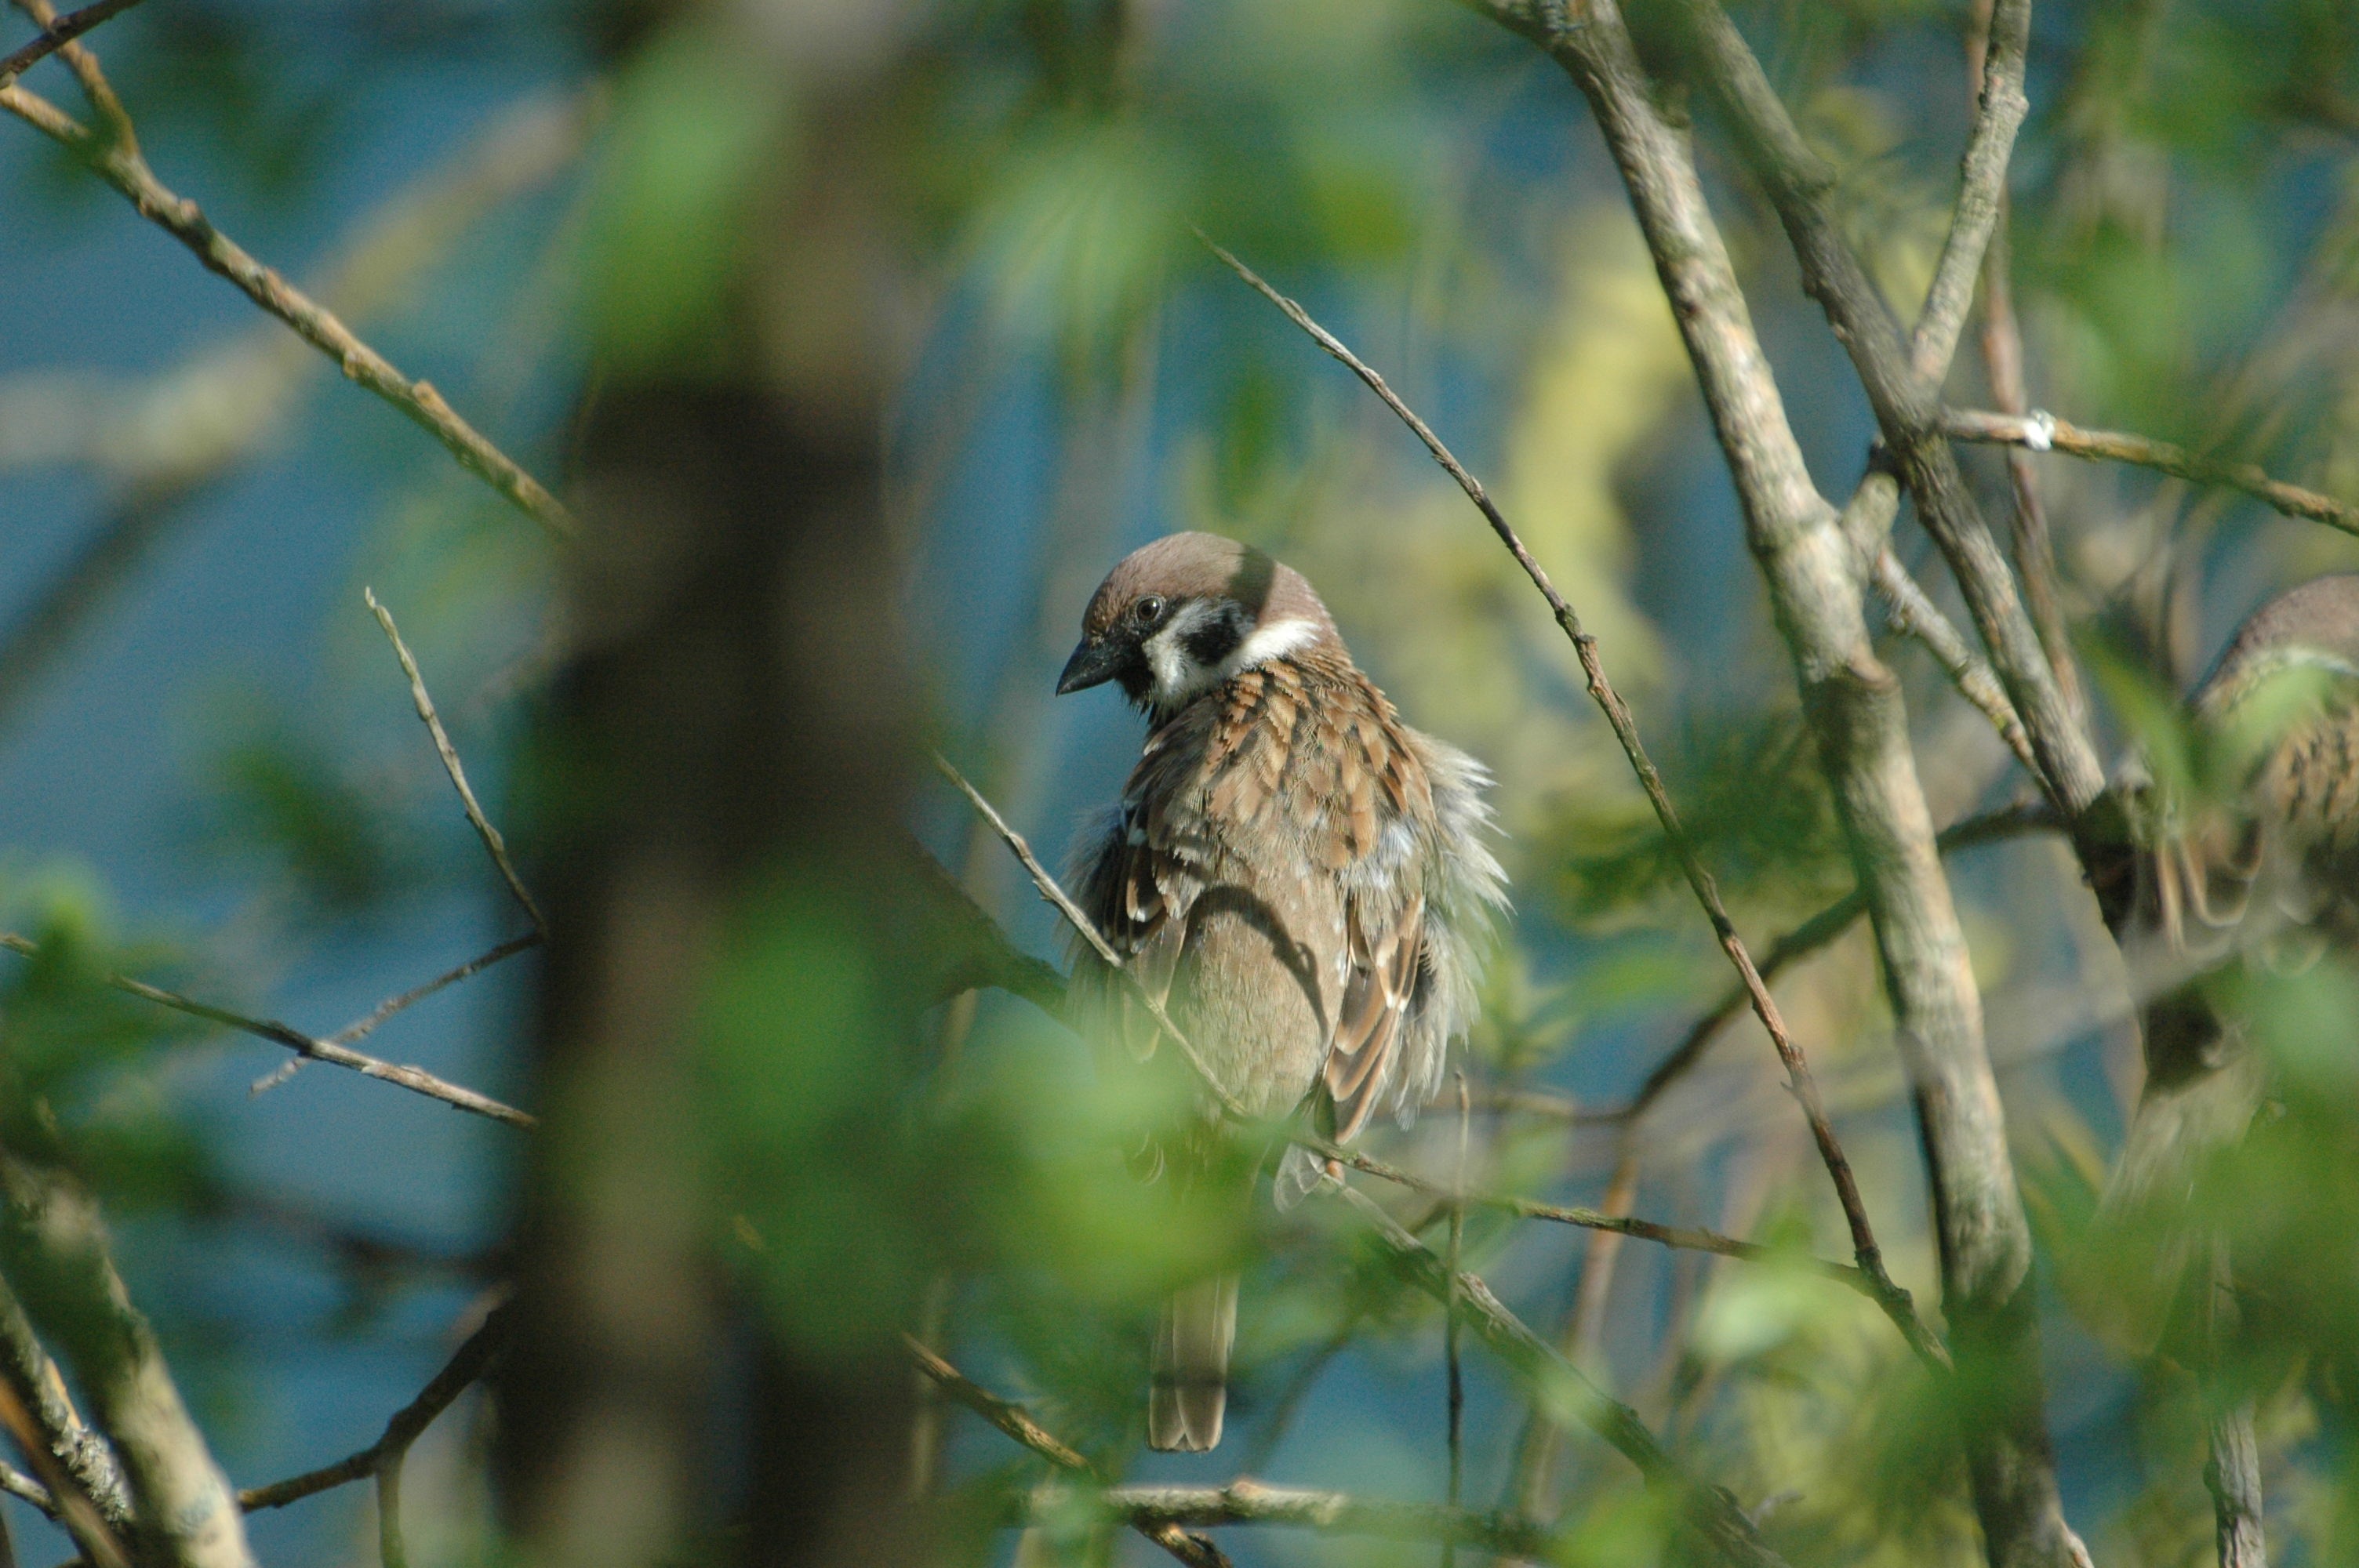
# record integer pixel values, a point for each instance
(1093, 663)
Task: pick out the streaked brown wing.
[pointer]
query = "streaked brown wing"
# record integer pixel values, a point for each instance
(1377, 990)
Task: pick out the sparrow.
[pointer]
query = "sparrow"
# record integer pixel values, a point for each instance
(1299, 877)
(2264, 872)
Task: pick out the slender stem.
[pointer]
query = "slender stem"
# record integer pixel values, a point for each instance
(493, 844)
(2043, 432)
(1625, 731)
(1016, 1422)
(1914, 614)
(117, 161)
(56, 34)
(418, 1080)
(1087, 928)
(1455, 1375)
(476, 1355)
(1568, 1396)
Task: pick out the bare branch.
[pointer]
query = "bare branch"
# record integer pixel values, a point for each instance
(1814, 566)
(2007, 822)
(57, 34)
(475, 1357)
(1906, 406)
(1625, 731)
(1089, 932)
(1913, 614)
(1566, 1395)
(493, 844)
(1251, 1502)
(118, 162)
(1016, 1422)
(1982, 191)
(54, 1249)
(58, 1495)
(2043, 432)
(416, 1079)
(77, 1452)
(360, 1028)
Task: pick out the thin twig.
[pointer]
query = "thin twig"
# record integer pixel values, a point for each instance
(418, 1080)
(1456, 1379)
(119, 163)
(2043, 432)
(56, 34)
(1982, 189)
(1251, 1502)
(360, 1028)
(54, 1250)
(493, 844)
(1817, 931)
(1565, 1393)
(1913, 614)
(1894, 1299)
(1016, 1422)
(476, 1355)
(1087, 928)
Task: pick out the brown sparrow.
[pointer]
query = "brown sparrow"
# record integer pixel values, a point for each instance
(2267, 874)
(1301, 878)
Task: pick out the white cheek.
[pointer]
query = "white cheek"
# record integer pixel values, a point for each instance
(1174, 671)
(1274, 641)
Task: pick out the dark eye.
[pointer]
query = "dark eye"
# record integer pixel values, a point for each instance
(1148, 610)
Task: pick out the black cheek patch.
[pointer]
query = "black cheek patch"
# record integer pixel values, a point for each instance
(1214, 640)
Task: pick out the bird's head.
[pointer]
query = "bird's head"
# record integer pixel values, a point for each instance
(1176, 618)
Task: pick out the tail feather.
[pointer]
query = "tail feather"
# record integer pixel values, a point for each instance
(1189, 1394)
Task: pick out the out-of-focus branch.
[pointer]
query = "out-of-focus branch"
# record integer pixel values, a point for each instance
(1088, 931)
(1982, 189)
(81, 1455)
(1566, 1395)
(476, 1355)
(1016, 1422)
(1813, 569)
(493, 844)
(1914, 614)
(55, 1493)
(1625, 731)
(2007, 822)
(1906, 401)
(418, 1080)
(2043, 432)
(53, 1248)
(160, 441)
(57, 33)
(1247, 1501)
(2002, 350)
(118, 162)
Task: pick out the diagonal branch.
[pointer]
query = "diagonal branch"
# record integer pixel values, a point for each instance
(56, 34)
(1568, 1397)
(1087, 929)
(1894, 1299)
(54, 1249)
(493, 844)
(117, 161)
(1912, 614)
(1016, 1422)
(2039, 431)
(1812, 566)
(475, 1357)
(416, 1079)
(1906, 401)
